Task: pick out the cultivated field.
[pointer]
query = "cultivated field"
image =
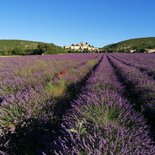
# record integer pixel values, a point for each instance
(77, 104)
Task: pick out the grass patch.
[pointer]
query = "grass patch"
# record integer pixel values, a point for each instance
(95, 114)
(56, 90)
(92, 62)
(101, 115)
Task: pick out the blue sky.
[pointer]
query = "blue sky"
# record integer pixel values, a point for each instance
(63, 22)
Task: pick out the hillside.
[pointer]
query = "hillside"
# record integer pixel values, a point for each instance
(136, 45)
(23, 47)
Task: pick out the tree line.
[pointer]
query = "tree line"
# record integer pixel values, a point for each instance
(42, 48)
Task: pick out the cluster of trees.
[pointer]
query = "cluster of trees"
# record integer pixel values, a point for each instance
(48, 49)
(41, 48)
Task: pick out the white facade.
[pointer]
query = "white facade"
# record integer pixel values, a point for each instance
(151, 50)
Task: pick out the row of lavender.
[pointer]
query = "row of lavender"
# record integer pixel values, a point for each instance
(144, 63)
(144, 85)
(101, 120)
(138, 78)
(31, 88)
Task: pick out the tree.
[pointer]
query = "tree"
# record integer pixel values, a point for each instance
(140, 50)
(48, 49)
(17, 51)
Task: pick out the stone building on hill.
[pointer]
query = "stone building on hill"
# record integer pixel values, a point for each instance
(81, 47)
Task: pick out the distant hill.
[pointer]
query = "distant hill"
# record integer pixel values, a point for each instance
(23, 47)
(132, 45)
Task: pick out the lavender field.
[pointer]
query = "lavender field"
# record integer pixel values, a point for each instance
(77, 104)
